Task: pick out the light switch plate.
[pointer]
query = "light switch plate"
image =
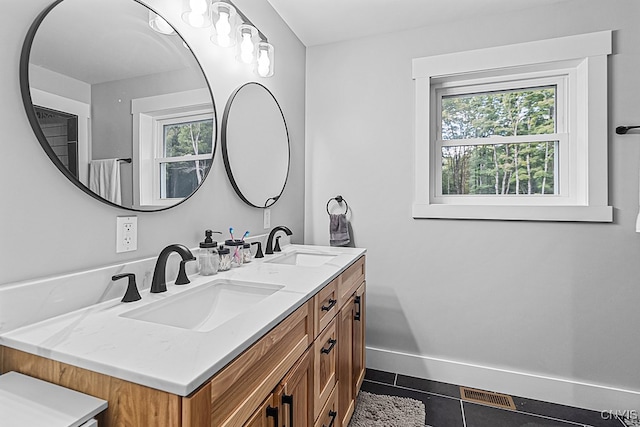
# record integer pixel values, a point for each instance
(126, 233)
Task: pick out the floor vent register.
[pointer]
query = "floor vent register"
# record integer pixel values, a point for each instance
(487, 398)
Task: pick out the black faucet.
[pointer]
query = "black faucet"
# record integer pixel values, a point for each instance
(159, 282)
(132, 293)
(269, 250)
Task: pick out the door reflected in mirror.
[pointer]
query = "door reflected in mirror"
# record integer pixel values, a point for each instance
(123, 111)
(255, 145)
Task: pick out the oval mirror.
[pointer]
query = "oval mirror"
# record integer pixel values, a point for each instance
(118, 102)
(255, 145)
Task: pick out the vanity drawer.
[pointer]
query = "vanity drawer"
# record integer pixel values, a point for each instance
(325, 364)
(329, 414)
(349, 281)
(325, 306)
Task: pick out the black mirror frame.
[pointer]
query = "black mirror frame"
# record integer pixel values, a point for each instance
(225, 153)
(33, 120)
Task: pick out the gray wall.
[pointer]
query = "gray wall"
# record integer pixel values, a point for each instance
(48, 226)
(547, 299)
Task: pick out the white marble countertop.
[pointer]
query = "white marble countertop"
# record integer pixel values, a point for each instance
(26, 401)
(173, 359)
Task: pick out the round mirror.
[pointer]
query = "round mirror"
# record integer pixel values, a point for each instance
(118, 102)
(255, 145)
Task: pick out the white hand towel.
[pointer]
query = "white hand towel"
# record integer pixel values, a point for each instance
(104, 179)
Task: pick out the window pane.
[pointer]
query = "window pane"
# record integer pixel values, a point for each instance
(506, 113)
(188, 138)
(522, 169)
(181, 179)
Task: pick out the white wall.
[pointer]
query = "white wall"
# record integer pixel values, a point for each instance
(521, 307)
(48, 226)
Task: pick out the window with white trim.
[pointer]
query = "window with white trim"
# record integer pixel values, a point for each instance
(174, 139)
(502, 134)
(184, 152)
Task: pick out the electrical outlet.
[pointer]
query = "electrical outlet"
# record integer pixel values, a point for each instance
(267, 218)
(126, 233)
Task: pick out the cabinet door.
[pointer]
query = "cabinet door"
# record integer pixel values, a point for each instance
(295, 394)
(329, 415)
(359, 349)
(346, 386)
(265, 416)
(325, 361)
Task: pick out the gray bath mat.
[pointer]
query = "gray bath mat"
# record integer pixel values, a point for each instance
(376, 410)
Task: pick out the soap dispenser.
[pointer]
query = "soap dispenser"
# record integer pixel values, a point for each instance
(208, 260)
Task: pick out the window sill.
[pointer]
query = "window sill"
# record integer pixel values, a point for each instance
(516, 213)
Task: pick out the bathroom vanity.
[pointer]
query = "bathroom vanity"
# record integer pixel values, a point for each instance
(293, 356)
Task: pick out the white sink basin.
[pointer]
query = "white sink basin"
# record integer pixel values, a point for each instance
(304, 259)
(206, 307)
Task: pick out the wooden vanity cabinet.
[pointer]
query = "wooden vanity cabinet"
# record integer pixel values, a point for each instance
(314, 355)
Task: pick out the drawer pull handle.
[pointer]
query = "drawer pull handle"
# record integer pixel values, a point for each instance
(273, 413)
(358, 314)
(332, 302)
(287, 399)
(333, 415)
(332, 343)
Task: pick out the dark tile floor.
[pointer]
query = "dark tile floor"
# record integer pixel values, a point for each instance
(445, 408)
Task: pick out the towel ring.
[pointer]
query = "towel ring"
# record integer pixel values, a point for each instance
(338, 199)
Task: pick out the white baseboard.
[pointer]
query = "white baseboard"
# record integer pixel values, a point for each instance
(564, 391)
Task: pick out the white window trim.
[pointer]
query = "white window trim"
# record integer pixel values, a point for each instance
(586, 54)
(146, 112)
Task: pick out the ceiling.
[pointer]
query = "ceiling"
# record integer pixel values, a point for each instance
(318, 22)
(98, 41)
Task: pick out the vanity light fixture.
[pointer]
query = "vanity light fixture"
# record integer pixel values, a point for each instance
(196, 13)
(246, 42)
(231, 28)
(265, 58)
(223, 16)
(159, 25)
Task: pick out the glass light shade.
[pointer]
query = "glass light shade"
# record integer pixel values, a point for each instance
(223, 16)
(196, 13)
(246, 38)
(265, 59)
(158, 24)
